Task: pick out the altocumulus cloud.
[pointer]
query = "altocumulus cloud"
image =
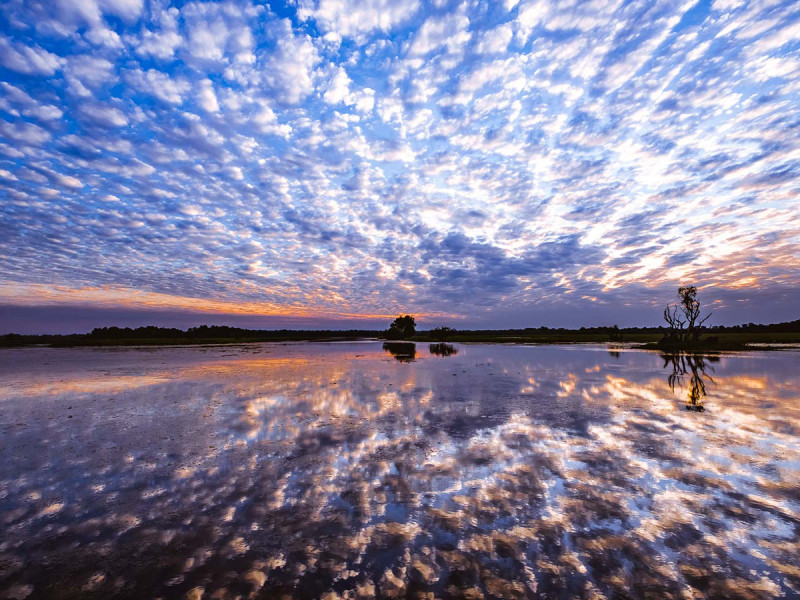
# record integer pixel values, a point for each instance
(480, 164)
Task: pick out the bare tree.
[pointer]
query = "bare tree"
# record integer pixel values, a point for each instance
(691, 310)
(683, 317)
(673, 318)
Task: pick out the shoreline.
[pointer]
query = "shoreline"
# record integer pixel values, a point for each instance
(649, 345)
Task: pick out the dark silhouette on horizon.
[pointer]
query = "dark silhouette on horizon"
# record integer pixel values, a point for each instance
(683, 318)
(713, 339)
(442, 334)
(401, 328)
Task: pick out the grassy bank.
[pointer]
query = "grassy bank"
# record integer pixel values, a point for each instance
(160, 336)
(650, 341)
(554, 337)
(648, 338)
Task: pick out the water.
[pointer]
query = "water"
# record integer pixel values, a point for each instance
(348, 470)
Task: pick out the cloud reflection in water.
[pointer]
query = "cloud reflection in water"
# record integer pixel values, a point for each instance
(312, 470)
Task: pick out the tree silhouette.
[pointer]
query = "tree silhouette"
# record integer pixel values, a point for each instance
(691, 310)
(683, 317)
(442, 334)
(402, 328)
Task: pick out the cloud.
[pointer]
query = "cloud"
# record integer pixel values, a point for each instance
(163, 40)
(450, 31)
(338, 91)
(496, 40)
(159, 85)
(206, 96)
(351, 18)
(27, 60)
(537, 159)
(288, 72)
(26, 133)
(103, 115)
(65, 17)
(207, 39)
(85, 73)
(218, 34)
(129, 10)
(28, 106)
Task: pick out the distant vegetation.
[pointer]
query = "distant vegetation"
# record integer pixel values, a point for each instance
(157, 336)
(710, 338)
(442, 334)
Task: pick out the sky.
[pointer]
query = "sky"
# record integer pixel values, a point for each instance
(335, 163)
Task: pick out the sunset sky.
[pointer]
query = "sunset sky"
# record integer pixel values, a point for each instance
(334, 163)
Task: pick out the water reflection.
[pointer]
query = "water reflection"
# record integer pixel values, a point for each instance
(402, 351)
(324, 471)
(443, 349)
(695, 366)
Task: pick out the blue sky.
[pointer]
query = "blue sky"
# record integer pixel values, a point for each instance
(336, 162)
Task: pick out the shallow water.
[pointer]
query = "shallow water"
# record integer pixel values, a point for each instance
(346, 470)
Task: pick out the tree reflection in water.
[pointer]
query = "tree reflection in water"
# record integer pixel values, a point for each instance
(402, 351)
(695, 366)
(443, 349)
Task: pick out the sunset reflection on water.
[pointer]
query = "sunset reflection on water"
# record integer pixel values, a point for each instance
(338, 471)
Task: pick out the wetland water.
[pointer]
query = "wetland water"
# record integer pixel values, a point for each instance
(346, 470)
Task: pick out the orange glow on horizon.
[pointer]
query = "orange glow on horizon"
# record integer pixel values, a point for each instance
(127, 298)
